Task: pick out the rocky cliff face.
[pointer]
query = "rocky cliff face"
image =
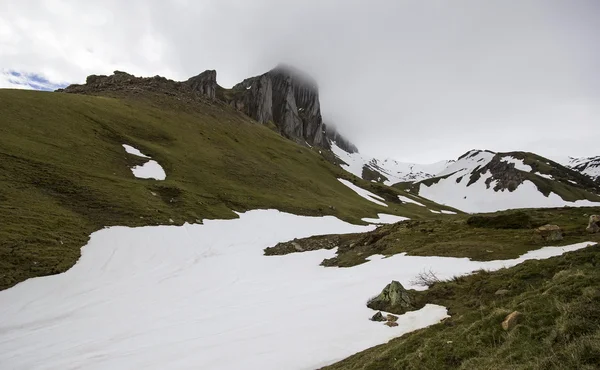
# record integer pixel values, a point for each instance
(287, 97)
(205, 83)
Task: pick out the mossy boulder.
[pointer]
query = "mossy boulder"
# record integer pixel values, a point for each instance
(393, 298)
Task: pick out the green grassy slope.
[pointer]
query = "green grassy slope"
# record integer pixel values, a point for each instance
(559, 299)
(64, 173)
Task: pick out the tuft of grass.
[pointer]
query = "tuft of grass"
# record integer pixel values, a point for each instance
(559, 299)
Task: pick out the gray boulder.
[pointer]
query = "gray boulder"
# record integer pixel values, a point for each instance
(393, 298)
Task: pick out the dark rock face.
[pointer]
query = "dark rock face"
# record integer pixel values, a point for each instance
(205, 83)
(289, 98)
(393, 298)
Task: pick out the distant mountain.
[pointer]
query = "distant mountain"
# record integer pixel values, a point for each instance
(387, 171)
(586, 165)
(484, 181)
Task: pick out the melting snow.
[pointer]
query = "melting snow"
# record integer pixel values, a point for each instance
(409, 200)
(448, 212)
(131, 150)
(384, 218)
(183, 296)
(519, 164)
(546, 176)
(149, 170)
(364, 193)
(432, 211)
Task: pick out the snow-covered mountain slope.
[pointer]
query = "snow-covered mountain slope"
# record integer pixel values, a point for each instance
(484, 181)
(387, 171)
(586, 165)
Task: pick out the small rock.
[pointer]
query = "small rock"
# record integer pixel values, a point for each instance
(391, 324)
(501, 292)
(511, 320)
(549, 232)
(593, 225)
(378, 317)
(390, 317)
(297, 247)
(171, 220)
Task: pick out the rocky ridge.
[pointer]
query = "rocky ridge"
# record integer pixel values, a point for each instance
(285, 97)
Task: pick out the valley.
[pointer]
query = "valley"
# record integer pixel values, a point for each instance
(147, 222)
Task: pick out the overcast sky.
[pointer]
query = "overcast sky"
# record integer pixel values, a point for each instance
(413, 80)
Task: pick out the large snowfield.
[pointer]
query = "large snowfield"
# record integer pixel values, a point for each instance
(204, 296)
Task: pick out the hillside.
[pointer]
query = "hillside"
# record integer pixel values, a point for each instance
(484, 181)
(64, 172)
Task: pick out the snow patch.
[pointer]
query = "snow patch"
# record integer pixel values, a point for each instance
(161, 297)
(364, 193)
(409, 200)
(447, 212)
(131, 150)
(519, 164)
(546, 176)
(432, 211)
(384, 218)
(149, 170)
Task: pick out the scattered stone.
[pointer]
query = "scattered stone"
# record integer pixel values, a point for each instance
(593, 225)
(549, 232)
(378, 317)
(391, 324)
(511, 320)
(393, 298)
(501, 292)
(297, 247)
(391, 317)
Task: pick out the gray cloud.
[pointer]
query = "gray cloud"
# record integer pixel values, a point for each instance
(413, 80)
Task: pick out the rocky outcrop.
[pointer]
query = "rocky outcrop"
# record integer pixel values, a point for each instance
(393, 298)
(284, 96)
(200, 87)
(205, 83)
(287, 97)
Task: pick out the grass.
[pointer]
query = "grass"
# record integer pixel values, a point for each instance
(64, 173)
(502, 235)
(559, 299)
